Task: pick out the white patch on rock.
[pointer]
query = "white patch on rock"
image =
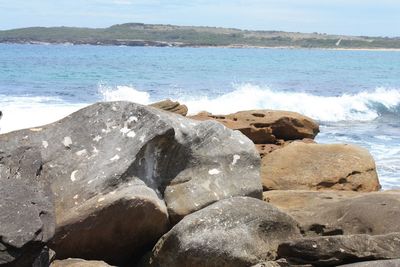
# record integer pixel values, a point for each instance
(114, 108)
(73, 175)
(125, 130)
(132, 118)
(67, 141)
(240, 141)
(235, 159)
(45, 144)
(131, 134)
(101, 199)
(183, 125)
(118, 149)
(81, 152)
(142, 138)
(214, 171)
(97, 138)
(76, 196)
(95, 150)
(116, 157)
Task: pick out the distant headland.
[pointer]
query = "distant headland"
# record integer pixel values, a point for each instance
(139, 34)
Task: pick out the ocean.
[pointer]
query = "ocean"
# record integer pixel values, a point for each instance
(354, 95)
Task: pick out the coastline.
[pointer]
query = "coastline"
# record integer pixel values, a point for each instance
(142, 43)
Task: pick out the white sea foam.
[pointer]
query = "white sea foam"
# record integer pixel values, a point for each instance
(124, 93)
(25, 112)
(363, 106)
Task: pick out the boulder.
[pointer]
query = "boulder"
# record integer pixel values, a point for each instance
(117, 169)
(332, 213)
(302, 166)
(382, 263)
(267, 126)
(239, 231)
(336, 250)
(27, 218)
(171, 106)
(78, 263)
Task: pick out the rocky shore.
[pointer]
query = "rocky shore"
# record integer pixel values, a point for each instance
(121, 184)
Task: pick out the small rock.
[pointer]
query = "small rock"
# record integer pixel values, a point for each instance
(171, 106)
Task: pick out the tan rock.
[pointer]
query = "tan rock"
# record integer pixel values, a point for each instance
(78, 263)
(301, 166)
(171, 106)
(267, 126)
(340, 212)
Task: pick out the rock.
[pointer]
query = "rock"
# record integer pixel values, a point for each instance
(382, 263)
(78, 263)
(267, 126)
(336, 250)
(27, 218)
(239, 231)
(111, 164)
(332, 213)
(171, 106)
(301, 166)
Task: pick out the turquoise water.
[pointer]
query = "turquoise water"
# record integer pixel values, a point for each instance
(355, 95)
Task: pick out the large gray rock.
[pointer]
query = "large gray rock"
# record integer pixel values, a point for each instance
(111, 164)
(329, 213)
(27, 219)
(239, 231)
(336, 250)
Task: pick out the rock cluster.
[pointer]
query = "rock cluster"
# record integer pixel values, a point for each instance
(121, 184)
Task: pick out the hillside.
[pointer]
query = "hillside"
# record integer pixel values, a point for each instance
(138, 34)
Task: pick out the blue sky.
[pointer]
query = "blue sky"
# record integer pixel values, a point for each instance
(354, 17)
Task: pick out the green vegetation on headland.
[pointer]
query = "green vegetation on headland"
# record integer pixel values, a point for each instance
(138, 34)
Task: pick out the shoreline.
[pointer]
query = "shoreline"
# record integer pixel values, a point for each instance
(141, 43)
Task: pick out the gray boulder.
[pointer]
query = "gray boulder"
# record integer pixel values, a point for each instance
(111, 165)
(239, 231)
(336, 250)
(27, 219)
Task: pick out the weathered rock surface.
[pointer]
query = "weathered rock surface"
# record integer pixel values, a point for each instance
(267, 126)
(171, 106)
(335, 250)
(111, 164)
(331, 213)
(302, 166)
(239, 231)
(27, 218)
(78, 263)
(382, 263)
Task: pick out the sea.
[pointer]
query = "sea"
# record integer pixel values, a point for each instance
(354, 95)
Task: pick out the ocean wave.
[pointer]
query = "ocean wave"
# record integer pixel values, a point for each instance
(30, 111)
(123, 93)
(363, 106)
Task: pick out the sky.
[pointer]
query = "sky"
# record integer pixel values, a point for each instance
(351, 17)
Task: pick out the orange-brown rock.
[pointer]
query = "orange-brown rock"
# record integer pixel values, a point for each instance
(171, 106)
(267, 126)
(78, 263)
(301, 166)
